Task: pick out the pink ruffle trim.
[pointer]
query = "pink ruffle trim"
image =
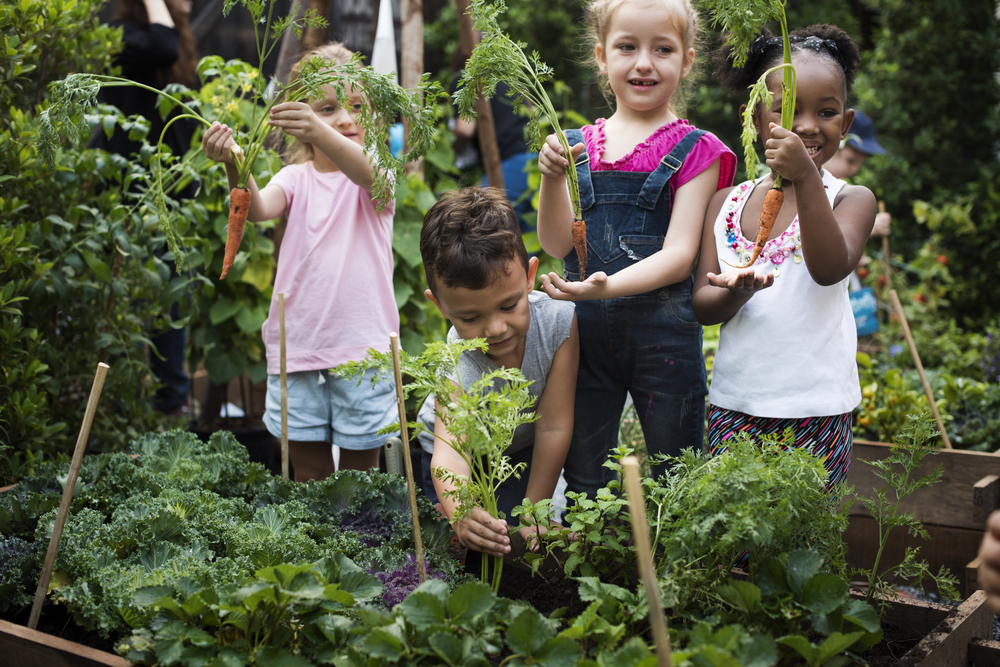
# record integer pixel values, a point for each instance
(644, 157)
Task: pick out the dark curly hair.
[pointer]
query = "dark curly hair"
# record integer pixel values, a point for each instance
(826, 41)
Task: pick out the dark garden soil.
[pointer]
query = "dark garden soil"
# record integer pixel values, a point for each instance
(892, 648)
(55, 620)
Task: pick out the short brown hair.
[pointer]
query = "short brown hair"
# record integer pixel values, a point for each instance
(469, 238)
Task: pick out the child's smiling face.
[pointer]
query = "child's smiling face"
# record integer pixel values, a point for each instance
(644, 55)
(499, 312)
(822, 119)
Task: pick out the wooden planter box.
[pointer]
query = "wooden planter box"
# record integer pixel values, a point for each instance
(954, 511)
(22, 647)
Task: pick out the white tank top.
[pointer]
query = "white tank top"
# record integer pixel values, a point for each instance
(790, 350)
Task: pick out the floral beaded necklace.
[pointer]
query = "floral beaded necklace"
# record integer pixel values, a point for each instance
(776, 250)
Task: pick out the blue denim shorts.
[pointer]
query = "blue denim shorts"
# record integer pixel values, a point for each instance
(325, 408)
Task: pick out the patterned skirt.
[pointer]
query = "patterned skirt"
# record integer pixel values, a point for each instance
(828, 438)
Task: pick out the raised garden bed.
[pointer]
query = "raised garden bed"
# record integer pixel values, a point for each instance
(953, 511)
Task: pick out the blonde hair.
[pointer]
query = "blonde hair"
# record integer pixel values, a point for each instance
(598, 15)
(297, 152)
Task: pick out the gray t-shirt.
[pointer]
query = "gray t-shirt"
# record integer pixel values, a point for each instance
(549, 326)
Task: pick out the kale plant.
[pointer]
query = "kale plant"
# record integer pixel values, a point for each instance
(917, 441)
(481, 420)
(18, 571)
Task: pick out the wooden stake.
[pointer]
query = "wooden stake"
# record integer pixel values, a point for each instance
(284, 387)
(640, 533)
(920, 367)
(407, 461)
(412, 65)
(67, 496)
(885, 255)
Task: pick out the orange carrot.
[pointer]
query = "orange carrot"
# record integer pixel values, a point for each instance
(580, 245)
(239, 207)
(768, 214)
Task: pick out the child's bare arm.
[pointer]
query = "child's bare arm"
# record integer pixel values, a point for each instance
(833, 238)
(717, 296)
(299, 120)
(266, 204)
(479, 531)
(555, 210)
(671, 264)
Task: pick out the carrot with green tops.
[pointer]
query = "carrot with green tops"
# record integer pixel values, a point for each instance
(580, 245)
(768, 214)
(239, 207)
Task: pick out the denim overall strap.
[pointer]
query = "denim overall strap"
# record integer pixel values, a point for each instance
(669, 165)
(575, 137)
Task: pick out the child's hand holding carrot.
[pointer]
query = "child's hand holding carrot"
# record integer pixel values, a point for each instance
(218, 144)
(481, 532)
(297, 119)
(786, 154)
(551, 161)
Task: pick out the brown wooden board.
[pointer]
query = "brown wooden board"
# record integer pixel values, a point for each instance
(947, 645)
(950, 547)
(984, 653)
(22, 647)
(948, 503)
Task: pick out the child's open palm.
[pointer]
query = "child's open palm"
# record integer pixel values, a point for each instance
(594, 287)
(741, 282)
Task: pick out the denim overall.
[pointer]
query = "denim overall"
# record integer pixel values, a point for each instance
(648, 345)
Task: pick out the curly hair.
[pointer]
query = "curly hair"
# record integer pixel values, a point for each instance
(598, 15)
(824, 40)
(469, 238)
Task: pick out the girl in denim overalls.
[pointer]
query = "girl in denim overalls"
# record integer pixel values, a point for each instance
(645, 178)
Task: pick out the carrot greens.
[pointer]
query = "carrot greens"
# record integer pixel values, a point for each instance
(75, 98)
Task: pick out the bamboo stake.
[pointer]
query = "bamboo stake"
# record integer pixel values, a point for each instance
(920, 367)
(407, 461)
(640, 533)
(67, 496)
(412, 37)
(284, 387)
(885, 257)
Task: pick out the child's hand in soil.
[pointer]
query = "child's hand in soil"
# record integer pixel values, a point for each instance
(483, 533)
(741, 282)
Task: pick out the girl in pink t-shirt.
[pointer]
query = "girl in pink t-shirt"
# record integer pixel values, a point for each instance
(645, 179)
(335, 270)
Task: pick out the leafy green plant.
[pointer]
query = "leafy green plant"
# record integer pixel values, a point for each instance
(498, 58)
(481, 420)
(897, 470)
(763, 497)
(792, 601)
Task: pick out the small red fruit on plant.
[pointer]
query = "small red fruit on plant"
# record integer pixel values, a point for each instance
(919, 296)
(881, 280)
(942, 260)
(862, 272)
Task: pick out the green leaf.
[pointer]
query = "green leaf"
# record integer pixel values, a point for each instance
(259, 274)
(824, 592)
(447, 646)
(469, 600)
(381, 644)
(276, 657)
(558, 652)
(100, 269)
(528, 633)
(802, 564)
(406, 242)
(835, 644)
(863, 614)
(223, 309)
(425, 606)
(800, 645)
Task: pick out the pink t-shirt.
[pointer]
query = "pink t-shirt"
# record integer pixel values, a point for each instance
(335, 269)
(646, 155)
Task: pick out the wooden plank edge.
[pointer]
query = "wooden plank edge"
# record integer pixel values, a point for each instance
(984, 652)
(918, 617)
(18, 641)
(7, 488)
(947, 645)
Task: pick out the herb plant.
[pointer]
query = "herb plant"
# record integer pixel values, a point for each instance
(76, 96)
(913, 445)
(498, 58)
(481, 420)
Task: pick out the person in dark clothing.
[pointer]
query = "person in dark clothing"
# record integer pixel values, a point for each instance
(159, 49)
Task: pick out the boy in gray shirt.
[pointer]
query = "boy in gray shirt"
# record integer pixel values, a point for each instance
(481, 279)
